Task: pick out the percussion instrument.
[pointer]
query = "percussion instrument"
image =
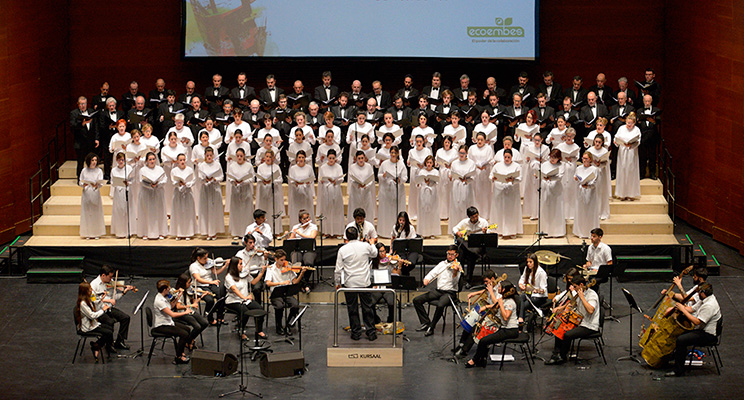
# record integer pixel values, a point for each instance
(547, 257)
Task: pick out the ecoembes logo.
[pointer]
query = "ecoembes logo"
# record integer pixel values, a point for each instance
(503, 29)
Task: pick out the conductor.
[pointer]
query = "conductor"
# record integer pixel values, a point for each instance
(353, 271)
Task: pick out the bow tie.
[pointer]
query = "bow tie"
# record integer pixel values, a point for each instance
(327, 87)
(542, 108)
(271, 90)
(592, 107)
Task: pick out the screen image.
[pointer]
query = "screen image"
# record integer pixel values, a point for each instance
(492, 29)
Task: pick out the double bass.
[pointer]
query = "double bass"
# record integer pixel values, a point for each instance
(659, 340)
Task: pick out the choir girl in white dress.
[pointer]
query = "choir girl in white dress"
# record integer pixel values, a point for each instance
(355, 133)
(533, 153)
(211, 211)
(508, 143)
(152, 221)
(268, 129)
(482, 155)
(329, 143)
(238, 142)
(558, 133)
(506, 207)
(424, 130)
(529, 125)
(197, 157)
(299, 144)
(389, 126)
(628, 178)
(91, 206)
(121, 208)
(267, 143)
(445, 156)
(551, 207)
(488, 128)
(269, 193)
(120, 140)
(451, 130)
(301, 184)
(587, 201)
(569, 154)
(361, 187)
(462, 174)
(240, 175)
(392, 176)
(168, 157)
(428, 180)
(328, 118)
(383, 153)
(183, 217)
(603, 184)
(307, 131)
(238, 124)
(215, 136)
(185, 136)
(416, 158)
(330, 200)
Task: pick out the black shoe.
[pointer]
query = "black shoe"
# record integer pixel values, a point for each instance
(356, 336)
(180, 360)
(280, 331)
(469, 365)
(457, 348)
(422, 328)
(555, 360)
(111, 350)
(372, 336)
(288, 330)
(461, 353)
(429, 331)
(121, 345)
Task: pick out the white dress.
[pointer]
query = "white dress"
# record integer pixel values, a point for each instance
(323, 130)
(551, 208)
(271, 132)
(555, 137)
(516, 157)
(120, 209)
(261, 152)
(529, 128)
(215, 136)
(168, 156)
(245, 129)
(506, 205)
(265, 194)
(307, 133)
(137, 167)
(126, 137)
(587, 203)
(295, 147)
(384, 129)
(445, 185)
(241, 199)
(628, 177)
(301, 197)
(91, 206)
(428, 223)
(152, 143)
(605, 135)
(211, 212)
(457, 139)
(415, 157)
(383, 153)
(231, 155)
(570, 186)
(321, 157)
(197, 157)
(530, 181)
(463, 194)
(603, 184)
(482, 157)
(361, 197)
(183, 217)
(186, 138)
(330, 200)
(427, 133)
(488, 130)
(151, 219)
(391, 198)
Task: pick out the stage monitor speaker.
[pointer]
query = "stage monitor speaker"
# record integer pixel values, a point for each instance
(213, 363)
(280, 365)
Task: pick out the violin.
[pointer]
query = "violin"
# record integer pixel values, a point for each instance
(262, 252)
(295, 268)
(121, 284)
(398, 259)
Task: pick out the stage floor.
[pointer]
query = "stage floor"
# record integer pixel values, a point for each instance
(37, 341)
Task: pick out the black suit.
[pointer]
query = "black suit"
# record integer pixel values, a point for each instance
(461, 97)
(321, 97)
(411, 99)
(265, 96)
(654, 91)
(649, 140)
(167, 111)
(555, 99)
(349, 114)
(546, 116)
(185, 98)
(619, 118)
(85, 136)
(500, 93)
(606, 98)
(578, 98)
(358, 99)
(438, 100)
(375, 119)
(629, 96)
(155, 97)
(127, 100)
(405, 118)
(529, 95)
(254, 120)
(301, 98)
(249, 93)
(215, 106)
(99, 102)
(384, 100)
(195, 119)
(586, 114)
(571, 116)
(105, 131)
(473, 112)
(137, 119)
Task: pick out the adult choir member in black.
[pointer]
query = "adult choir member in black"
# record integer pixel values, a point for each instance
(650, 86)
(240, 300)
(242, 94)
(84, 132)
(462, 93)
(138, 116)
(552, 90)
(269, 95)
(527, 92)
(87, 316)
(106, 127)
(704, 317)
(168, 110)
(590, 113)
(326, 94)
(587, 304)
(408, 93)
(114, 315)
(163, 322)
(577, 93)
(622, 87)
(157, 95)
(447, 273)
(505, 311)
(99, 101)
(466, 338)
(127, 99)
(472, 224)
(648, 121)
(545, 113)
(619, 111)
(206, 276)
(603, 92)
(188, 94)
(215, 95)
(434, 92)
(353, 264)
(492, 88)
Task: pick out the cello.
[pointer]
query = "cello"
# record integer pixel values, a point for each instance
(567, 318)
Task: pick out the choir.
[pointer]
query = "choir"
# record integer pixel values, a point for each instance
(454, 151)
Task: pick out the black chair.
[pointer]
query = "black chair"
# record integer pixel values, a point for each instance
(713, 348)
(83, 336)
(523, 340)
(595, 337)
(155, 336)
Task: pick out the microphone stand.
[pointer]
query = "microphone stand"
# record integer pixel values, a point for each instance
(320, 219)
(242, 388)
(540, 233)
(274, 215)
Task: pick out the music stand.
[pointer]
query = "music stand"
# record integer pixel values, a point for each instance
(455, 316)
(633, 306)
(484, 241)
(400, 283)
(298, 320)
(285, 291)
(406, 246)
(537, 310)
(137, 309)
(604, 273)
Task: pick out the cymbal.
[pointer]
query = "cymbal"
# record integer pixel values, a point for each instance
(548, 257)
